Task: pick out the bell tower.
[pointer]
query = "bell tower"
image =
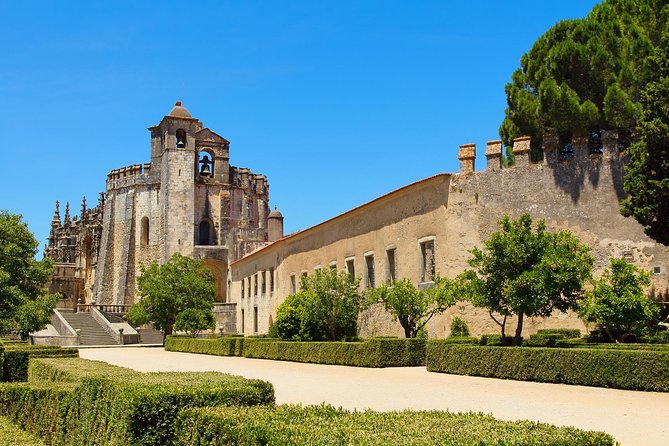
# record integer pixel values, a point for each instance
(173, 149)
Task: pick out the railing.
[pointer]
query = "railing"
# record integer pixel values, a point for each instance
(115, 309)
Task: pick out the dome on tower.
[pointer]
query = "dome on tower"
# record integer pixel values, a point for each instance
(179, 112)
(275, 214)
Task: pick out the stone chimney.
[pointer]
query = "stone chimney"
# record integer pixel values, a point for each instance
(521, 151)
(274, 226)
(493, 154)
(467, 157)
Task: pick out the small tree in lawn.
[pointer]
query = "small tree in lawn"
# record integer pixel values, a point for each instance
(527, 273)
(618, 303)
(167, 290)
(414, 308)
(193, 321)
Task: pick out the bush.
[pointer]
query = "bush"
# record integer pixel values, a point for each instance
(226, 346)
(616, 368)
(661, 337)
(371, 353)
(462, 340)
(567, 333)
(495, 339)
(325, 425)
(17, 357)
(12, 435)
(459, 328)
(88, 402)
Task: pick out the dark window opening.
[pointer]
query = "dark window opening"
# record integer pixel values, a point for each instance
(566, 147)
(350, 267)
(263, 284)
(271, 280)
(255, 319)
(204, 234)
(595, 144)
(293, 285)
(369, 271)
(428, 267)
(390, 267)
(145, 231)
(206, 164)
(242, 321)
(181, 138)
(657, 270)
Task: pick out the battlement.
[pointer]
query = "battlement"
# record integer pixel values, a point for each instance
(556, 150)
(129, 171)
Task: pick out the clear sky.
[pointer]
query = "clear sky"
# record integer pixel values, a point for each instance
(337, 102)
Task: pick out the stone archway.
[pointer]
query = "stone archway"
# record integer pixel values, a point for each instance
(219, 270)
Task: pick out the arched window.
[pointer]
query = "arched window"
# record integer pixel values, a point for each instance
(206, 164)
(145, 231)
(204, 235)
(181, 139)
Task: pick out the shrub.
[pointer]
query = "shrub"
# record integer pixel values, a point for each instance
(12, 435)
(661, 337)
(193, 321)
(88, 402)
(567, 333)
(495, 339)
(459, 328)
(376, 352)
(226, 346)
(616, 368)
(17, 357)
(325, 425)
(462, 340)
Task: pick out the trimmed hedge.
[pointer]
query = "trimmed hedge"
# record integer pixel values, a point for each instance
(566, 333)
(225, 346)
(78, 402)
(17, 358)
(620, 369)
(12, 435)
(325, 425)
(376, 352)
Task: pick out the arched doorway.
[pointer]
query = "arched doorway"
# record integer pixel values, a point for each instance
(219, 270)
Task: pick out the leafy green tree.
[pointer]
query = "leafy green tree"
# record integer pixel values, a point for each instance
(587, 73)
(527, 272)
(459, 328)
(326, 308)
(618, 303)
(167, 290)
(193, 321)
(24, 304)
(413, 308)
(647, 173)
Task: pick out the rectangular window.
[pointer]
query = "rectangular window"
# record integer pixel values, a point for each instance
(243, 281)
(350, 267)
(263, 284)
(369, 271)
(255, 284)
(242, 321)
(333, 265)
(390, 266)
(271, 280)
(428, 268)
(248, 289)
(293, 285)
(255, 319)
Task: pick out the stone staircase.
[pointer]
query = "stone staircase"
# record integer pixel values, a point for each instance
(92, 333)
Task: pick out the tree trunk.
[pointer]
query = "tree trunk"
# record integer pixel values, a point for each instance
(519, 330)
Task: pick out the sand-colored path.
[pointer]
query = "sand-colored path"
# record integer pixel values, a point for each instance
(633, 418)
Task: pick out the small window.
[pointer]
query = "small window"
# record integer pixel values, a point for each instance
(369, 271)
(333, 265)
(263, 283)
(181, 138)
(657, 270)
(242, 320)
(428, 268)
(255, 319)
(145, 231)
(255, 284)
(204, 233)
(249, 287)
(271, 280)
(293, 285)
(350, 267)
(243, 288)
(390, 266)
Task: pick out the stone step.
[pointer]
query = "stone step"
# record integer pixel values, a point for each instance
(90, 331)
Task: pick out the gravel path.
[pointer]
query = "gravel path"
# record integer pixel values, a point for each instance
(633, 418)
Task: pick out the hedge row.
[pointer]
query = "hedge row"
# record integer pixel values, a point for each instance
(620, 369)
(17, 356)
(78, 402)
(12, 435)
(377, 352)
(324, 425)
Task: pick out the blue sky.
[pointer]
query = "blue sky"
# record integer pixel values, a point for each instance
(337, 102)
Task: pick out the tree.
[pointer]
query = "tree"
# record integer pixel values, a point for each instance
(414, 308)
(193, 321)
(326, 308)
(586, 74)
(647, 173)
(459, 328)
(527, 273)
(618, 303)
(167, 290)
(25, 305)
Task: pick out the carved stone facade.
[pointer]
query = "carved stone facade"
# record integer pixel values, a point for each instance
(187, 199)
